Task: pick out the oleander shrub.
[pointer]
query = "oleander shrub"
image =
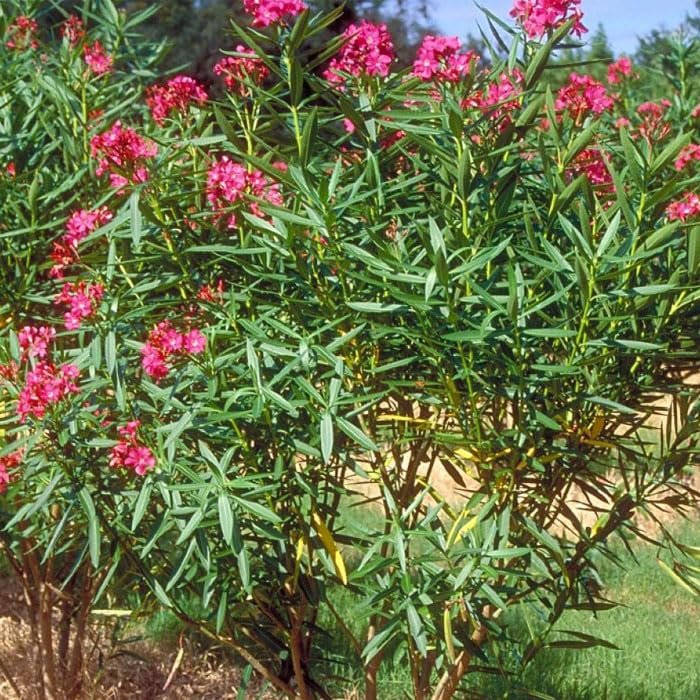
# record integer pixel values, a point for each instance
(231, 323)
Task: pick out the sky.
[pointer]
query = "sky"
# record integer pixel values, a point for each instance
(624, 20)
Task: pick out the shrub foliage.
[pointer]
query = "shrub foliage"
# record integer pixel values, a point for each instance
(449, 296)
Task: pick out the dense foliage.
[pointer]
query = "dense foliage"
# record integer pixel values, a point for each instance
(230, 326)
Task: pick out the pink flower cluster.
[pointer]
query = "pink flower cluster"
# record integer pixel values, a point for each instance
(368, 51)
(503, 95)
(175, 96)
(229, 182)
(96, 59)
(581, 96)
(82, 300)
(439, 58)
(686, 208)
(129, 453)
(34, 342)
(687, 156)
(590, 163)
(73, 30)
(165, 344)
(239, 70)
(538, 17)
(267, 12)
(654, 127)
(500, 100)
(8, 462)
(45, 385)
(123, 154)
(21, 34)
(619, 70)
(80, 225)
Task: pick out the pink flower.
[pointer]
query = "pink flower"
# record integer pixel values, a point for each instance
(80, 224)
(153, 362)
(21, 34)
(229, 182)
(83, 222)
(194, 342)
(45, 385)
(34, 342)
(689, 154)
(581, 96)
(73, 30)
(622, 122)
(266, 12)
(439, 58)
(538, 17)
(619, 70)
(239, 71)
(83, 300)
(8, 462)
(166, 344)
(176, 95)
(129, 453)
(686, 208)
(97, 60)
(123, 154)
(140, 459)
(368, 51)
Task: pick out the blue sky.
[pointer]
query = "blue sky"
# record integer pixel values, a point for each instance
(624, 20)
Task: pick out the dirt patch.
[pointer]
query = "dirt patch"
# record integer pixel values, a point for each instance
(122, 669)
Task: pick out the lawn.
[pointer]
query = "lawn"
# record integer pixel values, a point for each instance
(656, 627)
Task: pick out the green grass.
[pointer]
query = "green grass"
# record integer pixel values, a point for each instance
(657, 632)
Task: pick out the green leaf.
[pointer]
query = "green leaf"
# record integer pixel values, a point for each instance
(308, 137)
(371, 307)
(415, 625)
(354, 433)
(136, 220)
(326, 437)
(258, 509)
(192, 525)
(226, 518)
(141, 504)
(693, 249)
(94, 540)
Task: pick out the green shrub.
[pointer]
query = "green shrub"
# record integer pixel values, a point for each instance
(337, 281)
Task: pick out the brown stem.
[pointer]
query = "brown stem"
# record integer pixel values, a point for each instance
(427, 666)
(46, 640)
(449, 682)
(73, 683)
(296, 647)
(31, 585)
(371, 671)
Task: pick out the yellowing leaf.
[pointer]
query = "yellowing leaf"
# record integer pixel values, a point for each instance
(447, 628)
(461, 528)
(599, 443)
(330, 546)
(597, 427)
